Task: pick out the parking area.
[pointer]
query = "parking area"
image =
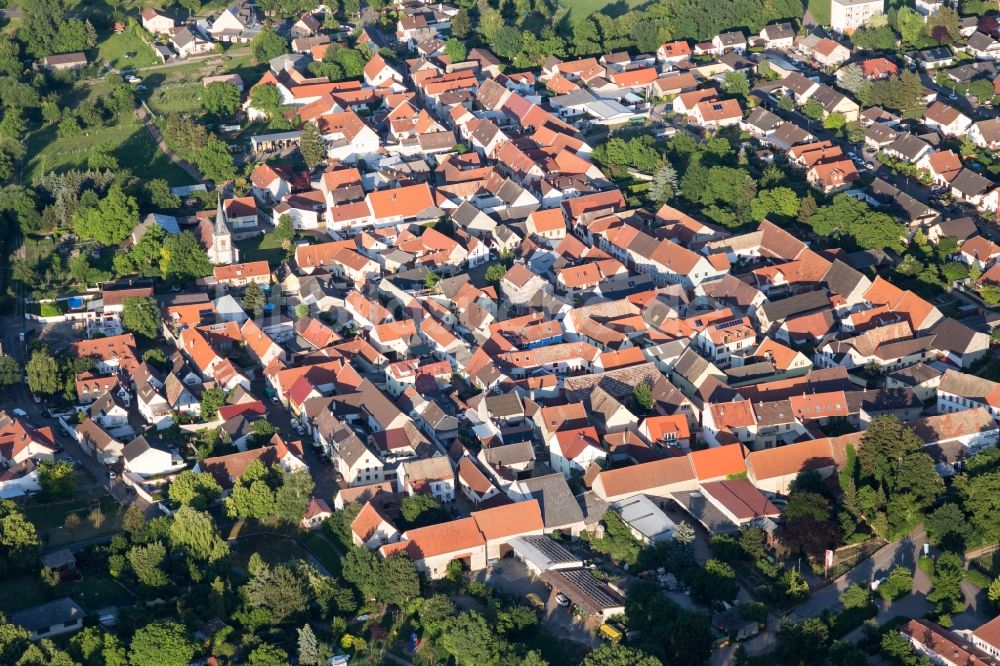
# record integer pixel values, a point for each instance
(512, 577)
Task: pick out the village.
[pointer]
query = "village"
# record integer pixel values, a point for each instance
(418, 335)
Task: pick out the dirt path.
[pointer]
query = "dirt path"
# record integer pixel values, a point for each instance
(162, 145)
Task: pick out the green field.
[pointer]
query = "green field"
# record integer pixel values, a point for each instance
(128, 142)
(180, 98)
(113, 50)
(582, 8)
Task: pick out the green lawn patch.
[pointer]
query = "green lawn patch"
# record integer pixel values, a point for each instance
(128, 141)
(577, 9)
(264, 248)
(328, 554)
(180, 98)
(21, 591)
(115, 49)
(96, 591)
(273, 549)
(49, 520)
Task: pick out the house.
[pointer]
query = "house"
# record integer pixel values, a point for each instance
(713, 114)
(983, 47)
(434, 475)
(64, 61)
(98, 442)
(833, 176)
(144, 460)
(306, 26)
(941, 166)
(947, 120)
(238, 23)
(986, 133)
(317, 511)
(941, 646)
(673, 52)
(20, 442)
(730, 41)
(156, 22)
(371, 529)
(52, 618)
(572, 451)
(778, 35)
(846, 16)
(240, 275)
(434, 547)
(830, 53)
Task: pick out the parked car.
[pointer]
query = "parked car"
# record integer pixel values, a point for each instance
(562, 599)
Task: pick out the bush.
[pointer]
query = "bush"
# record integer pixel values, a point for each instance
(898, 583)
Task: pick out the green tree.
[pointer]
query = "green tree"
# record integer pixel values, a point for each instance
(715, 581)
(221, 98)
(254, 300)
(361, 569)
(19, 543)
(268, 45)
(494, 274)
(267, 654)
(736, 83)
(897, 584)
(147, 564)
(183, 258)
(665, 184)
(507, 41)
(943, 25)
(193, 533)
(215, 161)
(291, 499)
(308, 647)
(266, 98)
(279, 592)
(43, 372)
(161, 643)
(808, 526)
(643, 396)
(194, 489)
(461, 24)
(159, 195)
(855, 596)
(400, 581)
(812, 109)
(421, 509)
(619, 655)
(471, 641)
(946, 582)
(141, 316)
(10, 371)
(312, 146)
(111, 220)
(57, 479)
(910, 24)
(211, 400)
(455, 48)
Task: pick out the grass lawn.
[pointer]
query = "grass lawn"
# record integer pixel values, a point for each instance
(96, 591)
(320, 546)
(113, 50)
(582, 8)
(182, 98)
(49, 520)
(265, 248)
(128, 141)
(274, 549)
(21, 592)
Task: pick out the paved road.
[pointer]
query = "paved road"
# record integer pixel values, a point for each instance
(232, 53)
(905, 552)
